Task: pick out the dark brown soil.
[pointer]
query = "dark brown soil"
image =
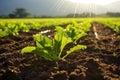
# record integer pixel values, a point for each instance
(100, 61)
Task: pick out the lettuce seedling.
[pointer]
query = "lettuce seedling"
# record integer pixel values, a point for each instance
(51, 49)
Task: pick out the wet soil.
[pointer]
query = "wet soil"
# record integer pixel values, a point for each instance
(100, 61)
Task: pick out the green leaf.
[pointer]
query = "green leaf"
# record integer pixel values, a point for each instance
(57, 41)
(59, 34)
(78, 47)
(28, 49)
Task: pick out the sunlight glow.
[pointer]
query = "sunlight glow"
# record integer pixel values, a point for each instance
(100, 2)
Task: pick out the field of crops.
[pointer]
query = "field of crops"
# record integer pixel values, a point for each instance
(60, 49)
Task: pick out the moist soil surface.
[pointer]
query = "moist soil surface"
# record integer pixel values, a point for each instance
(100, 61)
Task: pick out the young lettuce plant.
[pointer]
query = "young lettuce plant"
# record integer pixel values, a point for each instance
(51, 49)
(11, 29)
(3, 33)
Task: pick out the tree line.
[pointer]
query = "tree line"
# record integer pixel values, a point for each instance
(17, 13)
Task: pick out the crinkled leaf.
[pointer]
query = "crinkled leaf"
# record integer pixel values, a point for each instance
(42, 41)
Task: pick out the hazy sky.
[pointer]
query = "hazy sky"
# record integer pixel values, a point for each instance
(43, 6)
(101, 2)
